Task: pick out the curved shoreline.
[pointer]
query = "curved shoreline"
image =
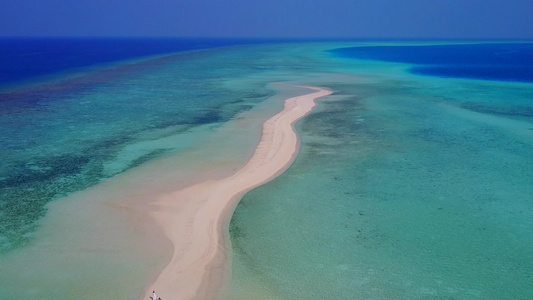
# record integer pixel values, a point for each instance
(194, 218)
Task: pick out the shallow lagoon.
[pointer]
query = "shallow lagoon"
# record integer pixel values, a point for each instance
(406, 187)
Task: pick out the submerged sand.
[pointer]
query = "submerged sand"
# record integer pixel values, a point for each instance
(195, 218)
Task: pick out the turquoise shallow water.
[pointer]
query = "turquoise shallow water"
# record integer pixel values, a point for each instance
(117, 133)
(406, 186)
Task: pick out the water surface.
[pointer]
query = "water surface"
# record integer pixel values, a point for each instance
(407, 186)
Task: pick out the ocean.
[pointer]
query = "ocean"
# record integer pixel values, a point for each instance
(487, 61)
(60, 130)
(27, 58)
(406, 186)
(413, 180)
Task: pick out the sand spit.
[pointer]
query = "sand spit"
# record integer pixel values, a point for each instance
(195, 218)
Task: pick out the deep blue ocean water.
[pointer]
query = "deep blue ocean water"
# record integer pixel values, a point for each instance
(486, 61)
(24, 58)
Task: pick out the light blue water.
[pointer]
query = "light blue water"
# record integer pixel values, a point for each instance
(406, 187)
(73, 131)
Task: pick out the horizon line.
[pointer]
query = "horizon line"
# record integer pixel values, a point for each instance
(268, 38)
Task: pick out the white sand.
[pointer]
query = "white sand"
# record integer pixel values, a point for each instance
(195, 218)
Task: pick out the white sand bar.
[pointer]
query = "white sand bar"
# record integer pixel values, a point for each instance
(195, 218)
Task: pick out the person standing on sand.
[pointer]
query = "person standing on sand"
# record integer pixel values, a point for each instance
(154, 297)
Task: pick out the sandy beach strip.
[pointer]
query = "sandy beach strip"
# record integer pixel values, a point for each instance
(195, 218)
